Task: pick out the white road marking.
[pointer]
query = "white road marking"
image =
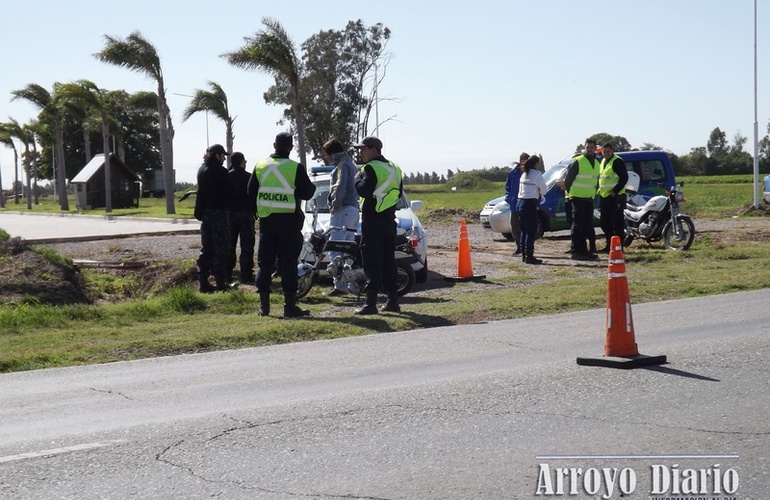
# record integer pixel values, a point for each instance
(58, 451)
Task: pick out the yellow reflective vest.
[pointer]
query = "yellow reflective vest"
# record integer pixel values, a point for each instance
(584, 185)
(276, 178)
(387, 191)
(608, 179)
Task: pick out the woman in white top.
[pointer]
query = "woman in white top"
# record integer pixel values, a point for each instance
(531, 188)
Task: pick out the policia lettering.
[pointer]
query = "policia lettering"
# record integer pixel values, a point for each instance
(276, 193)
(388, 183)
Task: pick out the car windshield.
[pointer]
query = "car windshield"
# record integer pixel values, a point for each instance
(320, 200)
(554, 173)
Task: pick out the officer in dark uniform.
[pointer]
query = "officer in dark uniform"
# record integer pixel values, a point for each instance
(279, 184)
(211, 203)
(243, 212)
(379, 183)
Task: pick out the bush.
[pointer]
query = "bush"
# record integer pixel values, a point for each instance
(469, 181)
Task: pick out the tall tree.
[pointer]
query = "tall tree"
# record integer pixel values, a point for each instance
(271, 50)
(51, 112)
(137, 54)
(7, 140)
(24, 134)
(339, 91)
(717, 143)
(620, 142)
(213, 101)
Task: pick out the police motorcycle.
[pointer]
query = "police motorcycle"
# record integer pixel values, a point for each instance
(657, 218)
(347, 264)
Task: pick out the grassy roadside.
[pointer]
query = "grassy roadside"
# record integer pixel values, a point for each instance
(182, 321)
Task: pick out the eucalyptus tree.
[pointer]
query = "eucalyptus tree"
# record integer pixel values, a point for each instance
(272, 51)
(91, 98)
(137, 54)
(51, 111)
(213, 101)
(339, 86)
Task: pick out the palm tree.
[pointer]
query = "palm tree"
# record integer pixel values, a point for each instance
(92, 98)
(24, 134)
(272, 51)
(137, 54)
(51, 112)
(215, 102)
(7, 141)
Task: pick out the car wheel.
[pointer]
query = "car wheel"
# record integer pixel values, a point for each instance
(508, 236)
(405, 278)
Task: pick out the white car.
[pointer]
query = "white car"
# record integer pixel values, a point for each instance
(317, 218)
(487, 211)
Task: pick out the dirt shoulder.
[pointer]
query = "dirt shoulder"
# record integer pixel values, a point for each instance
(163, 260)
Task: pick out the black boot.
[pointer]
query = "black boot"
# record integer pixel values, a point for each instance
(530, 259)
(392, 304)
(264, 304)
(203, 283)
(290, 309)
(370, 306)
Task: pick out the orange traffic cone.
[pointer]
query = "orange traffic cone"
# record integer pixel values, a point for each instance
(620, 350)
(464, 265)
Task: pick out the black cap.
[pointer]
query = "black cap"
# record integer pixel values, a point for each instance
(283, 141)
(217, 149)
(369, 142)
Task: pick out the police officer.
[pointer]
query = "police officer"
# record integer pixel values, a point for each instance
(242, 216)
(580, 184)
(379, 184)
(278, 184)
(211, 204)
(613, 177)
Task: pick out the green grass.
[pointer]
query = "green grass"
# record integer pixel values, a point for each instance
(184, 321)
(148, 207)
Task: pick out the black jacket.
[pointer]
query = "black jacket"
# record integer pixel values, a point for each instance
(214, 187)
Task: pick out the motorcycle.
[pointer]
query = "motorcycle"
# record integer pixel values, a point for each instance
(347, 263)
(659, 218)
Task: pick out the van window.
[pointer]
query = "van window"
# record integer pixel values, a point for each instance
(649, 171)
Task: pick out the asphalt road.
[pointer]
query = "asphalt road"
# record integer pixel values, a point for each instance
(492, 411)
(52, 228)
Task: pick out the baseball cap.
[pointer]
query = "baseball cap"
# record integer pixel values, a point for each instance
(217, 149)
(284, 140)
(369, 142)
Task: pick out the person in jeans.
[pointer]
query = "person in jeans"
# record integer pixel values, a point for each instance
(343, 201)
(511, 194)
(531, 188)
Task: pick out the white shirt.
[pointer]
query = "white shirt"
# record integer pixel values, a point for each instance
(532, 185)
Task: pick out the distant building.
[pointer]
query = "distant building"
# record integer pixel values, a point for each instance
(90, 189)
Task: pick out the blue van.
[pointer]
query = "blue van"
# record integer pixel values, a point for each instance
(654, 168)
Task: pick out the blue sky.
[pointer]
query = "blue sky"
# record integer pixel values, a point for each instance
(469, 84)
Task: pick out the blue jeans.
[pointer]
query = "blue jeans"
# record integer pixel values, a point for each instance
(345, 216)
(527, 210)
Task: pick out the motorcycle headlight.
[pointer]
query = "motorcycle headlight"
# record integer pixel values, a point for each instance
(679, 196)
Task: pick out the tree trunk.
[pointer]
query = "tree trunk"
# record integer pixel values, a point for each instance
(229, 139)
(107, 169)
(300, 126)
(2, 195)
(166, 148)
(35, 173)
(87, 144)
(61, 170)
(15, 177)
(27, 159)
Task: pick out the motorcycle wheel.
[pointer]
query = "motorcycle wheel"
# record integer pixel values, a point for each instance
(304, 283)
(628, 239)
(685, 237)
(406, 277)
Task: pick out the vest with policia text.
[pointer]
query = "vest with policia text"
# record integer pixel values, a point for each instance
(388, 182)
(608, 179)
(584, 185)
(276, 186)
